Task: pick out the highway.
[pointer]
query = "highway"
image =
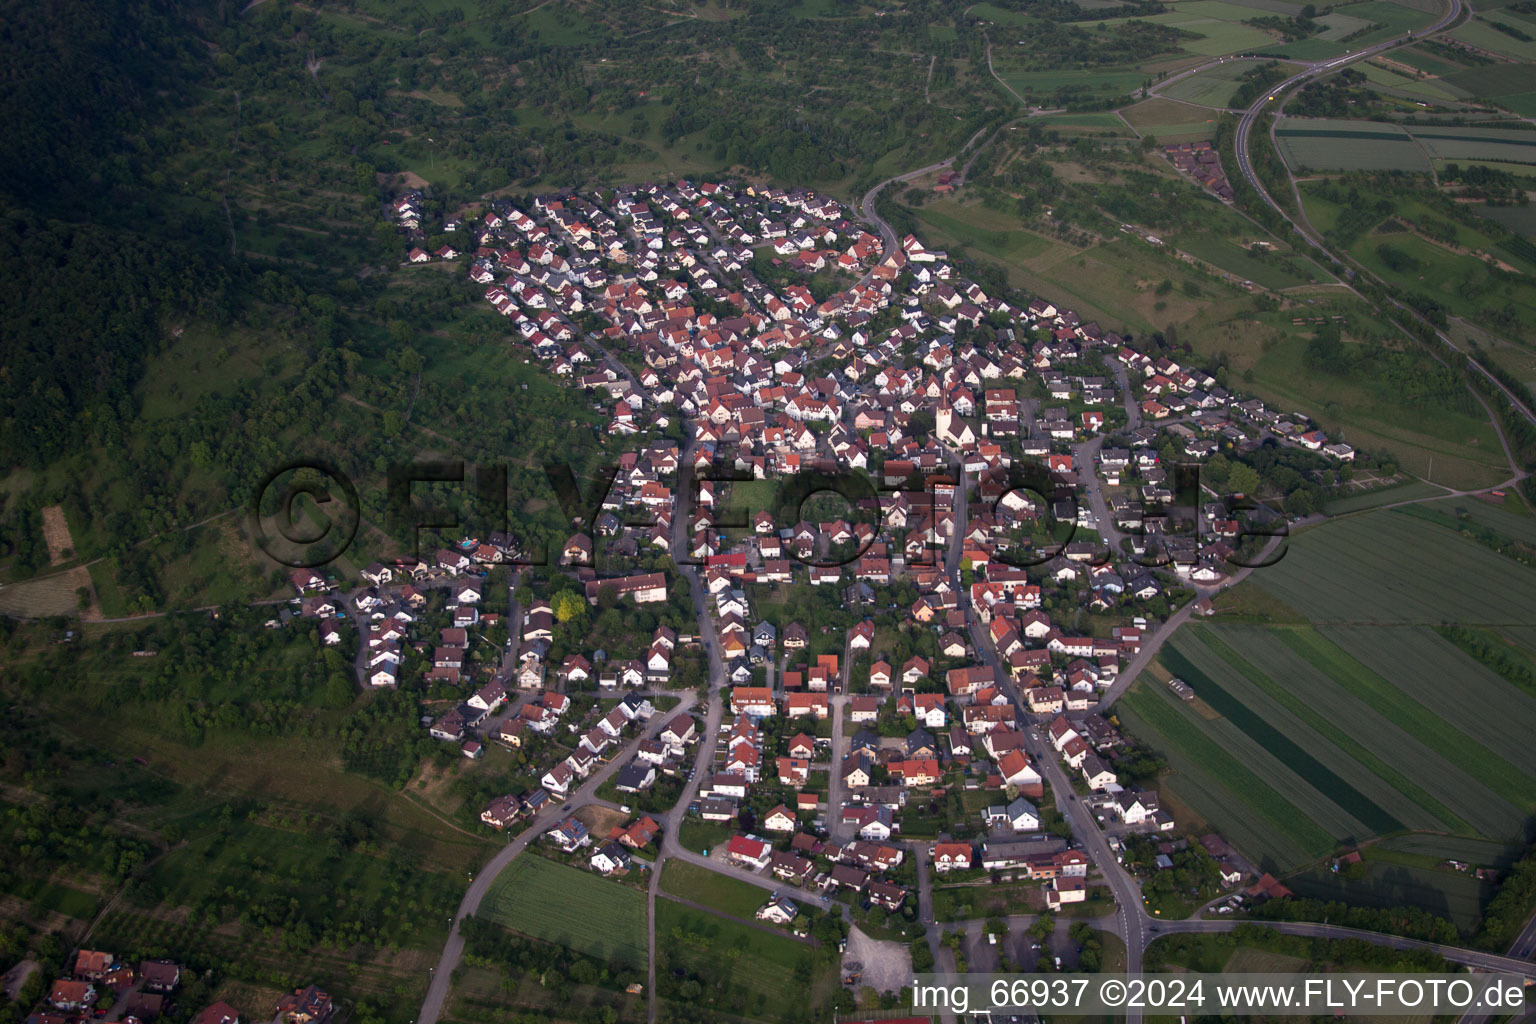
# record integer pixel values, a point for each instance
(1242, 144)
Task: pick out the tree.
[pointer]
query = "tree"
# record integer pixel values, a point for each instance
(568, 605)
(1243, 479)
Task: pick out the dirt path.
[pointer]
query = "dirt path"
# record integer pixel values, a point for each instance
(61, 546)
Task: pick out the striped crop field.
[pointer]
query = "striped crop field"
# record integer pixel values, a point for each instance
(1334, 145)
(1384, 567)
(1317, 744)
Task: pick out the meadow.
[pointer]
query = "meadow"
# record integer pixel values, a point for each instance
(1270, 351)
(711, 888)
(1382, 882)
(1213, 87)
(1170, 120)
(1400, 84)
(741, 970)
(569, 907)
(1457, 143)
(1480, 32)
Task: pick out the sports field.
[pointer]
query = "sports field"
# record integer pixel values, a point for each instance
(569, 907)
(1337, 145)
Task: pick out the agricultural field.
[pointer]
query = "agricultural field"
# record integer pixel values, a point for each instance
(1170, 120)
(1519, 219)
(1336, 145)
(1213, 87)
(1457, 143)
(1414, 87)
(1481, 32)
(1293, 746)
(1417, 573)
(1341, 25)
(570, 907)
(1432, 849)
(1366, 723)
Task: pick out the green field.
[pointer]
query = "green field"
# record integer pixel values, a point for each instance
(1479, 32)
(1480, 852)
(1391, 20)
(1218, 26)
(1408, 85)
(1338, 145)
(1456, 896)
(975, 225)
(746, 971)
(1432, 63)
(1090, 82)
(1507, 145)
(1170, 120)
(1267, 271)
(1367, 723)
(570, 907)
(1519, 219)
(1384, 568)
(1341, 25)
(711, 888)
(1506, 520)
(1315, 48)
(1493, 80)
(1214, 87)
(1383, 496)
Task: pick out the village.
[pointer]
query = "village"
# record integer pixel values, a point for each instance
(954, 735)
(1013, 546)
(817, 762)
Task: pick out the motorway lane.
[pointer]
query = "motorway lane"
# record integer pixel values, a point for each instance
(1245, 166)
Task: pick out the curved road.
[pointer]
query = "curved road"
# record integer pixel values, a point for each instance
(1245, 166)
(453, 949)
